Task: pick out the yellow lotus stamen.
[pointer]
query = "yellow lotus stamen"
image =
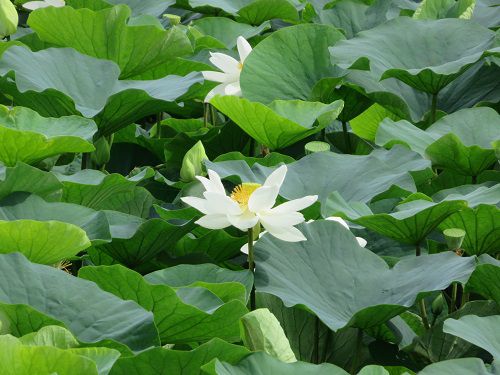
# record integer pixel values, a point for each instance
(240, 65)
(241, 193)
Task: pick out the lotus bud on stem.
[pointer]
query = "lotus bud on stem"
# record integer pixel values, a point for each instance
(454, 238)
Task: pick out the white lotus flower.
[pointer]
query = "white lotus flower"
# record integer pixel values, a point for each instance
(231, 70)
(361, 241)
(250, 204)
(32, 5)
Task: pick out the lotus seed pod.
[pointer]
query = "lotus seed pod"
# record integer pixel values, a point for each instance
(8, 18)
(454, 237)
(316, 146)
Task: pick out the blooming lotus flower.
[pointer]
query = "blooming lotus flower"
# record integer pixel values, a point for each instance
(250, 204)
(32, 5)
(361, 241)
(231, 70)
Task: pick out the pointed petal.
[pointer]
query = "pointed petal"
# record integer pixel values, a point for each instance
(361, 241)
(244, 48)
(198, 203)
(243, 222)
(217, 90)
(277, 177)
(244, 249)
(281, 220)
(295, 204)
(218, 76)
(215, 221)
(225, 63)
(263, 198)
(221, 204)
(32, 5)
(289, 234)
(338, 219)
(56, 3)
(233, 88)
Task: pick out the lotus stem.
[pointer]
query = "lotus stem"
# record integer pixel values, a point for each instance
(421, 303)
(251, 266)
(433, 109)
(205, 114)
(474, 180)
(346, 137)
(213, 115)
(158, 124)
(454, 290)
(357, 354)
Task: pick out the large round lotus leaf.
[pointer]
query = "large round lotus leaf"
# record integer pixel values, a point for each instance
(107, 36)
(180, 362)
(29, 138)
(61, 81)
(46, 242)
(485, 279)
(29, 206)
(357, 178)
(288, 64)
(462, 141)
(481, 331)
(345, 284)
(141, 7)
(179, 315)
(281, 123)
(87, 311)
(462, 366)
(425, 54)
(262, 364)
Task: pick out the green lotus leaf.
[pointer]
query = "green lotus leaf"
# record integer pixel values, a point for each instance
(280, 124)
(137, 241)
(320, 274)
(394, 50)
(366, 124)
(45, 242)
(457, 366)
(30, 138)
(140, 7)
(100, 191)
(357, 178)
(107, 36)
(24, 178)
(19, 359)
(102, 316)
(445, 9)
(61, 81)
(461, 141)
(177, 320)
(261, 364)
(226, 30)
(300, 52)
(208, 276)
(252, 11)
(485, 279)
(159, 361)
(487, 14)
(436, 345)
(410, 223)
(25, 206)
(481, 331)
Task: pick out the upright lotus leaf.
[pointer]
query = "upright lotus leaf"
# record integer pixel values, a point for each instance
(462, 141)
(300, 52)
(345, 284)
(425, 54)
(46, 242)
(457, 366)
(137, 241)
(135, 49)
(226, 30)
(445, 9)
(160, 361)
(357, 177)
(281, 123)
(485, 279)
(481, 331)
(141, 7)
(29, 138)
(100, 191)
(19, 359)
(177, 321)
(29, 206)
(366, 124)
(410, 223)
(262, 364)
(24, 178)
(62, 81)
(436, 345)
(88, 312)
(204, 275)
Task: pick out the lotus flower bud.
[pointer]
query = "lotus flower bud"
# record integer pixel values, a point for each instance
(192, 164)
(8, 18)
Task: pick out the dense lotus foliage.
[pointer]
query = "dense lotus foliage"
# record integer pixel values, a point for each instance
(249, 187)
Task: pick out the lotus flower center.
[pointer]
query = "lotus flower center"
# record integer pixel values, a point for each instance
(241, 193)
